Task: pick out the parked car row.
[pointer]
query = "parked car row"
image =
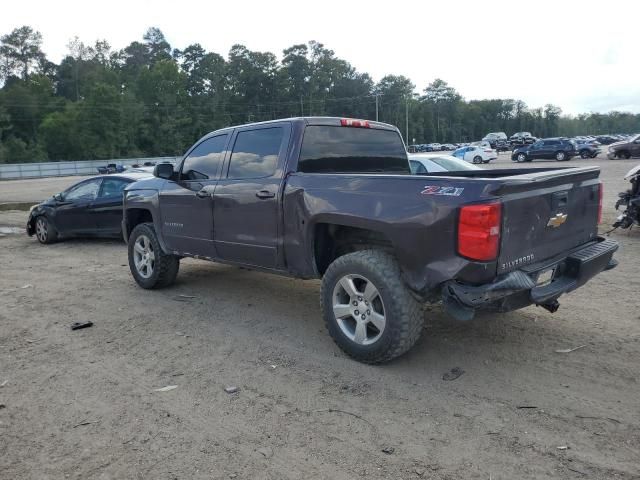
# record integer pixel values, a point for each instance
(434, 147)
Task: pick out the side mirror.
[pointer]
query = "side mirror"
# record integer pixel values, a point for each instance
(58, 197)
(163, 170)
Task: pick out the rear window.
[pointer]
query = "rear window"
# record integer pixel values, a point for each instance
(329, 149)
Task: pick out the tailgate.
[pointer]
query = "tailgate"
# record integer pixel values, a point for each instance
(546, 214)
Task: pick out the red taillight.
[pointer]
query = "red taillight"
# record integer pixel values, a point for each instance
(479, 231)
(350, 122)
(600, 192)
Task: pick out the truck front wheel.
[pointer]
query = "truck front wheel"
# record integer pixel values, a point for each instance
(149, 265)
(369, 311)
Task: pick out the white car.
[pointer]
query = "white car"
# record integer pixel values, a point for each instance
(476, 154)
(437, 162)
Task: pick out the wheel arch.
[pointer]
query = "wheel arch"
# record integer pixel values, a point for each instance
(333, 237)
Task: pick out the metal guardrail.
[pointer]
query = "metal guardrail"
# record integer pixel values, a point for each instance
(12, 171)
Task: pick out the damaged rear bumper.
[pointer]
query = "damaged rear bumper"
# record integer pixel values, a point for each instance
(525, 286)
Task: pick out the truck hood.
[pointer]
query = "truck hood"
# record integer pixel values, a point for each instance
(152, 183)
(622, 143)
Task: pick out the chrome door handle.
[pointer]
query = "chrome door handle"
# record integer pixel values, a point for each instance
(265, 194)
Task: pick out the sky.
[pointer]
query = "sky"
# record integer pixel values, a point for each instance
(580, 55)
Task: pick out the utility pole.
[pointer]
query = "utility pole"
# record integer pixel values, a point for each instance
(377, 95)
(406, 119)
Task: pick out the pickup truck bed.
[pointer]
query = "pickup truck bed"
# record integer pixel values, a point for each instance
(338, 203)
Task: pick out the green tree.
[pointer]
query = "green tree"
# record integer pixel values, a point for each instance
(20, 53)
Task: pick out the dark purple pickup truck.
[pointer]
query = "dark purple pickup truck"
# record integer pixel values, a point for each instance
(334, 199)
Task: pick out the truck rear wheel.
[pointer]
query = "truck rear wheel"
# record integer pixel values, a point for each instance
(149, 265)
(369, 311)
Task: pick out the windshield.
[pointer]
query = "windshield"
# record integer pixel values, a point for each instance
(333, 149)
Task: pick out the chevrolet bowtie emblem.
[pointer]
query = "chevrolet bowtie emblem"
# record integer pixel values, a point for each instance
(557, 220)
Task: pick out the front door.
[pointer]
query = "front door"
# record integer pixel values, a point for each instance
(186, 202)
(73, 216)
(246, 201)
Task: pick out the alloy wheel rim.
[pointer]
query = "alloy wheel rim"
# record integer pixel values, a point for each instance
(358, 309)
(41, 230)
(144, 256)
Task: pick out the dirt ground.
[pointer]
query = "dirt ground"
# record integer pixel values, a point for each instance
(83, 404)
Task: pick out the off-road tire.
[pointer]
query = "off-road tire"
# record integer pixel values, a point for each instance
(403, 313)
(165, 267)
(50, 234)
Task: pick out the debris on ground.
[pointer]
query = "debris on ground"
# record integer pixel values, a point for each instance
(388, 450)
(526, 406)
(84, 422)
(4, 383)
(2, 405)
(419, 471)
(569, 350)
(453, 374)
(79, 325)
(184, 298)
(167, 388)
(266, 451)
(563, 447)
(28, 285)
(180, 334)
(231, 389)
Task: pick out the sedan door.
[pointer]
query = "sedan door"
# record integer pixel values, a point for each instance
(469, 154)
(72, 213)
(186, 203)
(106, 209)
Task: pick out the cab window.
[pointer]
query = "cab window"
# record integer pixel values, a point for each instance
(203, 162)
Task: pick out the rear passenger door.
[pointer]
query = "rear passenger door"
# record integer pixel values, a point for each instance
(106, 209)
(247, 198)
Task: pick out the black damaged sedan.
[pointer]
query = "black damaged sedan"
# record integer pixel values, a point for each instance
(90, 208)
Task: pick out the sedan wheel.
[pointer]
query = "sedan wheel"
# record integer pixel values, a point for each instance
(477, 159)
(45, 233)
(560, 156)
(358, 309)
(585, 154)
(521, 157)
(144, 256)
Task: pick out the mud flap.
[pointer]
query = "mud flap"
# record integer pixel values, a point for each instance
(454, 308)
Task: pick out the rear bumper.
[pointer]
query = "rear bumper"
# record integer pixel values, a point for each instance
(521, 288)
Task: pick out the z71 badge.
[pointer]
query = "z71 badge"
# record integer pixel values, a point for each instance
(437, 190)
